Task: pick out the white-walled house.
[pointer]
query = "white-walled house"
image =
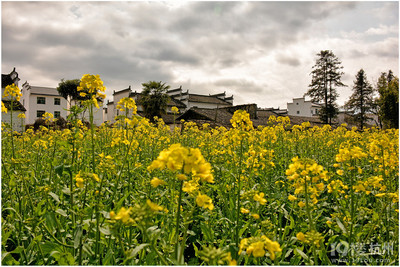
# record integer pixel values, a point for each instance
(303, 108)
(37, 100)
(182, 100)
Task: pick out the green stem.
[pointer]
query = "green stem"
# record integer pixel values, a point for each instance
(12, 131)
(310, 222)
(92, 135)
(178, 219)
(238, 195)
(97, 251)
(352, 209)
(183, 245)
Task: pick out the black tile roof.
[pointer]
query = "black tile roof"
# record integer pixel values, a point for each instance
(16, 105)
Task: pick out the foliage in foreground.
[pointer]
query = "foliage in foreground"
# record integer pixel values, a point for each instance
(138, 193)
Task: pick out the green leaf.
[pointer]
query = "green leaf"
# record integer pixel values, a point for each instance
(105, 230)
(77, 236)
(341, 226)
(55, 197)
(61, 212)
(136, 250)
(51, 221)
(302, 254)
(59, 170)
(8, 259)
(66, 191)
(49, 247)
(108, 258)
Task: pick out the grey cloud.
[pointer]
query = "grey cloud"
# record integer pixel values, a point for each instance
(240, 85)
(134, 42)
(356, 53)
(388, 48)
(288, 60)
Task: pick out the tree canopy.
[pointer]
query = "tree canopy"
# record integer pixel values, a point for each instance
(361, 101)
(68, 88)
(388, 101)
(326, 77)
(154, 99)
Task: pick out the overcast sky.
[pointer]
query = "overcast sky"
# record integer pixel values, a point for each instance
(260, 52)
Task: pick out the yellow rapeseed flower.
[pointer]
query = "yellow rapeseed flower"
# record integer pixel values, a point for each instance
(204, 201)
(175, 110)
(3, 107)
(153, 206)
(155, 182)
(260, 198)
(301, 237)
(243, 210)
(123, 215)
(12, 91)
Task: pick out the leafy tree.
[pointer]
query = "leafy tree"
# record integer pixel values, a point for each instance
(361, 101)
(388, 101)
(67, 89)
(154, 99)
(326, 76)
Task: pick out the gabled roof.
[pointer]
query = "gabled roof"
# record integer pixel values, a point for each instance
(39, 90)
(222, 117)
(121, 91)
(175, 102)
(212, 99)
(171, 101)
(6, 79)
(218, 116)
(16, 105)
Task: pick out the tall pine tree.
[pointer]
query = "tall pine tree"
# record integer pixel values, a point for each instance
(388, 101)
(326, 77)
(361, 101)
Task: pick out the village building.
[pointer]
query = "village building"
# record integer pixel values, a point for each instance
(177, 98)
(15, 107)
(259, 116)
(38, 100)
(303, 108)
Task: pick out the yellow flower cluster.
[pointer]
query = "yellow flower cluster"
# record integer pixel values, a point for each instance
(337, 186)
(106, 164)
(371, 184)
(279, 120)
(306, 172)
(393, 196)
(312, 237)
(48, 117)
(347, 154)
(81, 177)
(204, 201)
(155, 182)
(3, 107)
(260, 198)
(12, 91)
(126, 104)
(241, 120)
(258, 159)
(258, 246)
(175, 110)
(189, 160)
(136, 214)
(92, 85)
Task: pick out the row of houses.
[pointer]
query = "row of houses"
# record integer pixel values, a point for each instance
(216, 109)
